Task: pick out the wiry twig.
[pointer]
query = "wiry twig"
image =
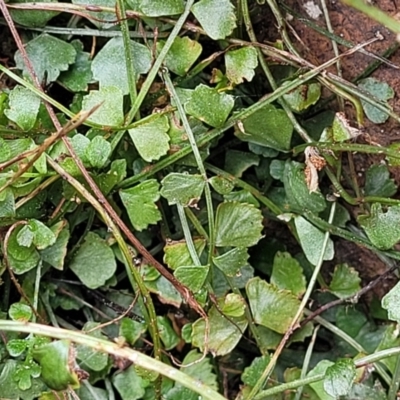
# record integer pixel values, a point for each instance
(351, 299)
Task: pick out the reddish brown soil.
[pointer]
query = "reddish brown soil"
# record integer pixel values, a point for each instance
(316, 48)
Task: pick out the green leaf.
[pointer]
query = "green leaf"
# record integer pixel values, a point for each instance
(20, 312)
(288, 274)
(339, 378)
(5, 151)
(24, 188)
(25, 236)
(9, 386)
(240, 64)
(301, 334)
(24, 117)
(146, 374)
(98, 151)
(56, 356)
(366, 391)
(129, 384)
(223, 336)
(149, 273)
(22, 259)
(94, 262)
(217, 18)
(18, 146)
(234, 305)
(297, 191)
(378, 182)
(380, 90)
(7, 204)
(192, 276)
(107, 180)
(391, 303)
(345, 281)
(242, 196)
(89, 357)
(252, 373)
(48, 55)
(221, 185)
(16, 347)
(183, 189)
(382, 228)
(40, 164)
(179, 392)
(167, 334)
(109, 65)
(32, 18)
(237, 162)
(200, 370)
(389, 340)
(43, 236)
(393, 161)
(80, 143)
(238, 225)
(232, 261)
(342, 216)
(139, 202)
(165, 290)
(151, 139)
(79, 75)
(23, 266)
(131, 330)
(186, 332)
(312, 240)
(159, 8)
(55, 254)
(341, 129)
(110, 111)
(318, 387)
(266, 152)
(176, 254)
(209, 106)
(303, 96)
(88, 392)
(166, 385)
(271, 307)
(270, 127)
(17, 251)
(220, 284)
(350, 320)
(182, 54)
(24, 372)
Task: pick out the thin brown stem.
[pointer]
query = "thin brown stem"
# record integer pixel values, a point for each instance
(351, 299)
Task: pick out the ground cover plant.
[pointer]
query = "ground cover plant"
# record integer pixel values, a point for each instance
(190, 210)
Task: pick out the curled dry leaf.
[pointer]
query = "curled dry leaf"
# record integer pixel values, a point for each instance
(342, 130)
(314, 163)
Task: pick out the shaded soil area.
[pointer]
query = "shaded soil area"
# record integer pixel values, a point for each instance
(316, 48)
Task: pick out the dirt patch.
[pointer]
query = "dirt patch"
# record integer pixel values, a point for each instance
(352, 26)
